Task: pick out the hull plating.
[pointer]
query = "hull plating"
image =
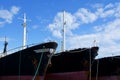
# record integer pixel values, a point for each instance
(82, 75)
(106, 78)
(20, 78)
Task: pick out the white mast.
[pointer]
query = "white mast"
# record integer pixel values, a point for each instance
(24, 32)
(63, 42)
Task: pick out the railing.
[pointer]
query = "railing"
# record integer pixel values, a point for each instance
(15, 50)
(18, 49)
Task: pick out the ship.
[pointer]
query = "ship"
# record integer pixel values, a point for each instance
(72, 64)
(29, 62)
(106, 68)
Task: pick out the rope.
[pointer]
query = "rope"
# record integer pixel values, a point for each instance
(38, 66)
(49, 62)
(19, 65)
(97, 69)
(90, 65)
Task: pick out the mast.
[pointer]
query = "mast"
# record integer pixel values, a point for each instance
(63, 42)
(24, 32)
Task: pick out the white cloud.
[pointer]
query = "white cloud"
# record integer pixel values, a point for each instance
(102, 13)
(117, 9)
(85, 16)
(6, 16)
(109, 38)
(14, 9)
(57, 33)
(107, 13)
(77, 41)
(109, 6)
(113, 29)
(54, 28)
(57, 25)
(109, 10)
(106, 34)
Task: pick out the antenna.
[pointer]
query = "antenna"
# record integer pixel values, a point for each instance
(63, 42)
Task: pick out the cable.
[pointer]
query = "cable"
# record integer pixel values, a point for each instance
(97, 69)
(19, 65)
(38, 66)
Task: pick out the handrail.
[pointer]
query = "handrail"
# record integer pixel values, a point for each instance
(16, 49)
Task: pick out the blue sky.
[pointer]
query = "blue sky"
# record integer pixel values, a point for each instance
(86, 21)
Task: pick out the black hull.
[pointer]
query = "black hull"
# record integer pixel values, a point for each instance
(106, 67)
(77, 60)
(26, 62)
